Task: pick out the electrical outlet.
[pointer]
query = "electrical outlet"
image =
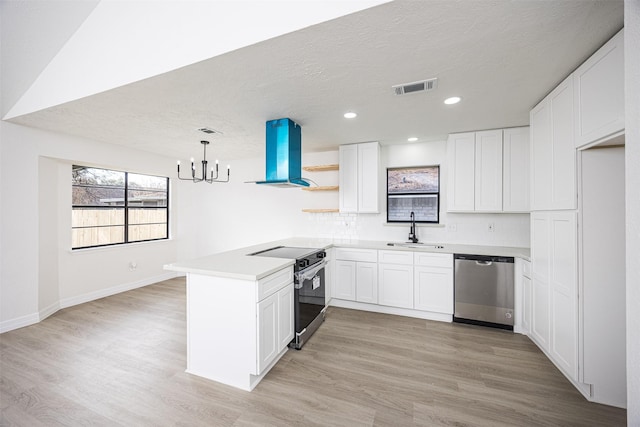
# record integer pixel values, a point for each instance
(133, 265)
(452, 228)
(491, 228)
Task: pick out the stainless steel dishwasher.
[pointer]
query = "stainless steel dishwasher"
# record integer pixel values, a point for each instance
(483, 290)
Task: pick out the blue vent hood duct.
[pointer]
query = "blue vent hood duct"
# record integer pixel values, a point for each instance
(284, 154)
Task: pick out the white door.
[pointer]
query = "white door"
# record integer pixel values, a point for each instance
(344, 284)
(433, 289)
(488, 171)
(348, 178)
(395, 285)
(367, 282)
(461, 175)
(368, 177)
(286, 327)
(267, 331)
(516, 162)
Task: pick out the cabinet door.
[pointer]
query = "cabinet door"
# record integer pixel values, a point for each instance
(286, 327)
(540, 264)
(563, 175)
(526, 305)
(433, 289)
(348, 178)
(267, 331)
(541, 155)
(344, 284)
(395, 285)
(564, 291)
(367, 282)
(461, 175)
(368, 177)
(599, 93)
(488, 171)
(515, 185)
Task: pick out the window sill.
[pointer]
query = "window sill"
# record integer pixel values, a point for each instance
(407, 224)
(119, 247)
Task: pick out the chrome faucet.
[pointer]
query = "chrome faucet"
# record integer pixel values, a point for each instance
(412, 231)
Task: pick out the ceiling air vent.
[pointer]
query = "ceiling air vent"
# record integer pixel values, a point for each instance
(420, 86)
(210, 131)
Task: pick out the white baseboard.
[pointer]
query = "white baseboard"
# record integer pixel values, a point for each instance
(48, 311)
(19, 322)
(428, 315)
(30, 319)
(92, 296)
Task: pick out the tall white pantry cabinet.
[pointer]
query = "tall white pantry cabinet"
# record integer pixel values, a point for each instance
(584, 111)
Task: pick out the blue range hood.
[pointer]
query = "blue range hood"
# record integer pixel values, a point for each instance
(284, 154)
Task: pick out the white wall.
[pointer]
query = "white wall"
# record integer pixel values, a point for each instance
(40, 272)
(632, 149)
(221, 217)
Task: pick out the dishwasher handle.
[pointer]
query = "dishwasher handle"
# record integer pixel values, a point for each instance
(483, 258)
(484, 263)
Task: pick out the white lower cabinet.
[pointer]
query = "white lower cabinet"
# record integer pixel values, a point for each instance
(286, 327)
(554, 315)
(396, 285)
(433, 282)
(416, 284)
(267, 331)
(275, 325)
(344, 286)
(367, 282)
(433, 289)
(356, 281)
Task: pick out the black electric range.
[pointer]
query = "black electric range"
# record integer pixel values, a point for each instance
(309, 288)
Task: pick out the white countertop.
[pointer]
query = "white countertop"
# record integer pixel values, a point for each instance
(238, 264)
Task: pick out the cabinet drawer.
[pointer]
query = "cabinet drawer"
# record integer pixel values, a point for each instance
(348, 254)
(395, 257)
(526, 268)
(433, 260)
(270, 284)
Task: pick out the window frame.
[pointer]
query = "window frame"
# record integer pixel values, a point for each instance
(422, 193)
(125, 207)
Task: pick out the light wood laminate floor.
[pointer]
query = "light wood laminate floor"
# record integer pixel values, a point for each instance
(119, 361)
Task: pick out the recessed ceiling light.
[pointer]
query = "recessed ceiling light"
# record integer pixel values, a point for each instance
(412, 139)
(452, 100)
(350, 115)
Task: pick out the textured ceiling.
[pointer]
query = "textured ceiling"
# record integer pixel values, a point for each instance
(502, 57)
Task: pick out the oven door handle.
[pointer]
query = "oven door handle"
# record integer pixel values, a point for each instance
(308, 273)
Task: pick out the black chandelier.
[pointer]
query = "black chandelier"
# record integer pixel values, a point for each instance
(204, 178)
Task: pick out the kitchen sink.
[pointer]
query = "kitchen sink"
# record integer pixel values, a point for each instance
(416, 245)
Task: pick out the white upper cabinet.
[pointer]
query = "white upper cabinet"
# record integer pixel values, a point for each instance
(461, 149)
(348, 178)
(515, 183)
(359, 177)
(599, 93)
(488, 171)
(553, 156)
